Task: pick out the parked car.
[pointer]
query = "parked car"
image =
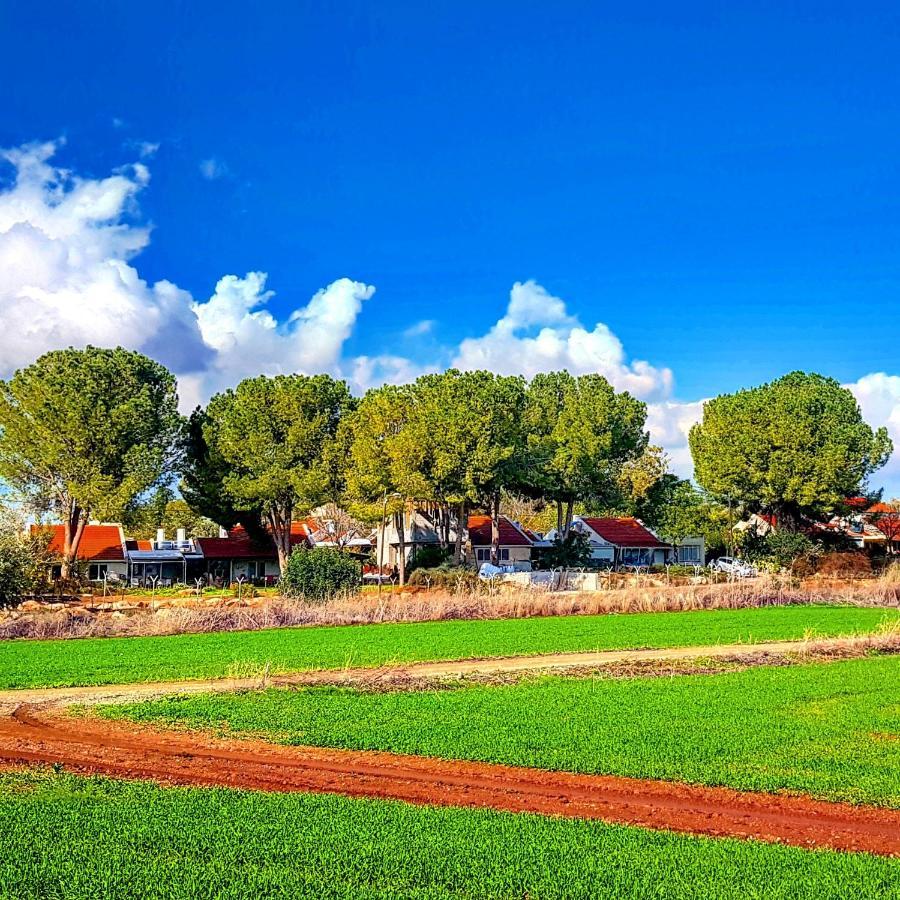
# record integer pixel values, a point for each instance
(733, 566)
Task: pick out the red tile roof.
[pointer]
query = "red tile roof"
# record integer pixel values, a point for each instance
(881, 509)
(480, 533)
(132, 544)
(98, 542)
(624, 532)
(239, 544)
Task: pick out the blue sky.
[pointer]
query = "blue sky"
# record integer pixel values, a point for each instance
(717, 184)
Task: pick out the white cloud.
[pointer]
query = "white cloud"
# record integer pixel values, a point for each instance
(426, 326)
(213, 168)
(669, 423)
(65, 276)
(878, 395)
(146, 149)
(537, 334)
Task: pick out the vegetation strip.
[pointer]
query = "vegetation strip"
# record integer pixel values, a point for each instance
(98, 661)
(829, 731)
(99, 747)
(71, 837)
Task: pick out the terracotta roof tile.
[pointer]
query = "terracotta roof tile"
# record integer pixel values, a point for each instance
(98, 542)
(623, 532)
(480, 533)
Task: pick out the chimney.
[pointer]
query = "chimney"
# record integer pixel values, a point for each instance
(160, 536)
(181, 535)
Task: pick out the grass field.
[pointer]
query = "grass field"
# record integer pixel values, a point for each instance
(63, 836)
(830, 729)
(122, 660)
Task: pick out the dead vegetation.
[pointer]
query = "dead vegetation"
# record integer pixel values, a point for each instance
(76, 620)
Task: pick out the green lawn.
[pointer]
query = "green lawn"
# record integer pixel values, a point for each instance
(26, 663)
(829, 729)
(63, 836)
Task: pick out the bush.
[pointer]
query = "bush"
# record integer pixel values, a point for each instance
(23, 566)
(574, 552)
(845, 565)
(449, 577)
(319, 574)
(428, 557)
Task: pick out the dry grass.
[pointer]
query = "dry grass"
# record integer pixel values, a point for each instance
(397, 606)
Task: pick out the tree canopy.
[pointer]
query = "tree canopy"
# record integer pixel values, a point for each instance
(85, 432)
(797, 447)
(275, 436)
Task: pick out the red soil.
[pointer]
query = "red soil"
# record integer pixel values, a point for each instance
(33, 734)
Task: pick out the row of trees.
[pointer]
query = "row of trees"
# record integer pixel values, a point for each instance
(96, 433)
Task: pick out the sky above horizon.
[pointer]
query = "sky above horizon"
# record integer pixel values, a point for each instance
(688, 199)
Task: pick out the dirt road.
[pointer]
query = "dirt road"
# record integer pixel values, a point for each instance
(448, 668)
(35, 735)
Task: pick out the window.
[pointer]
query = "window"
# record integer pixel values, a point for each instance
(483, 554)
(635, 556)
(97, 571)
(689, 553)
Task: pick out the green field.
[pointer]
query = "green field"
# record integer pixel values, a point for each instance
(829, 729)
(62, 836)
(122, 660)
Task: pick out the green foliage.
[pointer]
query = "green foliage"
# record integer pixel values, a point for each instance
(778, 549)
(203, 471)
(572, 551)
(274, 436)
(162, 510)
(580, 435)
(684, 511)
(319, 574)
(429, 556)
(796, 446)
(136, 659)
(85, 432)
(76, 838)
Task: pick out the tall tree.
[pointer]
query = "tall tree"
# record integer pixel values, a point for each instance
(274, 434)
(85, 432)
(581, 434)
(377, 480)
(796, 447)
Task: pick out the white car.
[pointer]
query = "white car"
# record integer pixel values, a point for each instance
(732, 566)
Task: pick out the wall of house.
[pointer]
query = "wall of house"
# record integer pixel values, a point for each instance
(115, 567)
(509, 555)
(691, 551)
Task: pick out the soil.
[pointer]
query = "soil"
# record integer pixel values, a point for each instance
(34, 734)
(606, 660)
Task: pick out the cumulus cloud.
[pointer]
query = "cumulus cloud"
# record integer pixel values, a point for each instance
(419, 329)
(878, 395)
(538, 334)
(669, 423)
(65, 275)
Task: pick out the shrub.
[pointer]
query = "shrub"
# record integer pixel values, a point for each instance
(845, 565)
(24, 564)
(319, 574)
(449, 577)
(428, 557)
(574, 552)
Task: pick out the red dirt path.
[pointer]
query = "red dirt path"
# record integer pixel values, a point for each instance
(34, 734)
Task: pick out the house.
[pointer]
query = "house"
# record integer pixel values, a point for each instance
(516, 542)
(422, 529)
(163, 562)
(101, 549)
(622, 541)
(235, 554)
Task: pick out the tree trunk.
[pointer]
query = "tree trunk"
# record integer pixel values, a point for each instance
(73, 529)
(280, 525)
(570, 509)
(400, 523)
(461, 522)
(559, 519)
(495, 529)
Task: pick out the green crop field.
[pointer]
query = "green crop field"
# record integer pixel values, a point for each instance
(829, 729)
(63, 836)
(122, 660)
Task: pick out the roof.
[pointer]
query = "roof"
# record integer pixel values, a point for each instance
(239, 544)
(132, 545)
(624, 531)
(882, 509)
(510, 533)
(98, 542)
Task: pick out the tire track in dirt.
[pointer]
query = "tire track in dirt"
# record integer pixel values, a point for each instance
(34, 734)
(109, 693)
